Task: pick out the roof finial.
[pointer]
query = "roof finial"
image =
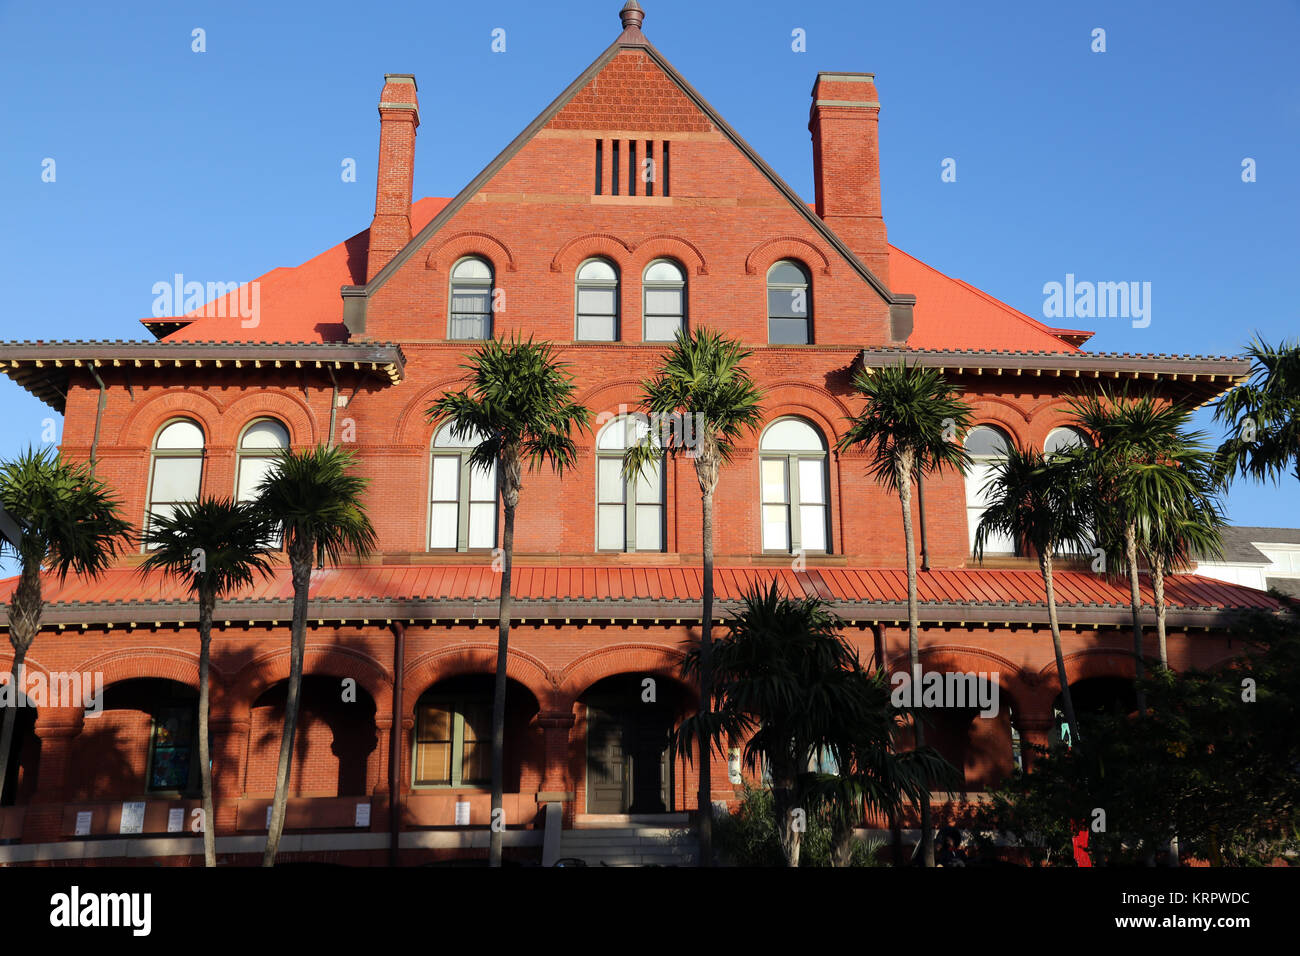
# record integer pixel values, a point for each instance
(632, 15)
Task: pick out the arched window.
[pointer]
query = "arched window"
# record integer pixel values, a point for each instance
(629, 512)
(1059, 439)
(793, 475)
(470, 315)
(462, 499)
(257, 450)
(664, 291)
(987, 447)
(597, 301)
(176, 470)
(789, 304)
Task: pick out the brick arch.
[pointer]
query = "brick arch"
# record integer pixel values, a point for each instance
(29, 664)
(145, 418)
(1004, 408)
(997, 417)
(763, 255)
(465, 244)
(410, 427)
(591, 246)
(287, 408)
(1079, 665)
(608, 395)
(158, 663)
(658, 659)
(320, 660)
(429, 669)
(668, 247)
(785, 399)
(959, 657)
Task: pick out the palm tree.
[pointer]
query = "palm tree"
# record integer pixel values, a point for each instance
(704, 391)
(1184, 520)
(68, 521)
(908, 427)
(312, 500)
(785, 679)
(215, 545)
(871, 775)
(1264, 415)
(520, 403)
(1042, 503)
(1130, 490)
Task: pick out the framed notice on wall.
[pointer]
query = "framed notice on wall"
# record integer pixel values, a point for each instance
(132, 818)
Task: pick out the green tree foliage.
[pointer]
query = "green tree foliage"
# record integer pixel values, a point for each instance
(1216, 763)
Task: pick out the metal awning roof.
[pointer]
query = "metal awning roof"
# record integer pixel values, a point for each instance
(45, 368)
(659, 594)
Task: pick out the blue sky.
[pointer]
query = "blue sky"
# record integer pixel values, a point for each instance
(1117, 166)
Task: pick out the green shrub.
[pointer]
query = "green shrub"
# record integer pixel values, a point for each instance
(748, 837)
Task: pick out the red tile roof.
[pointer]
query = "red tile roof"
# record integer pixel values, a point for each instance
(302, 304)
(648, 585)
(952, 314)
(299, 303)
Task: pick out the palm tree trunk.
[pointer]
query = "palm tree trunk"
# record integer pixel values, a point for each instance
(1067, 700)
(904, 476)
(842, 842)
(496, 836)
(705, 799)
(207, 602)
(24, 620)
(1135, 600)
(300, 564)
(1158, 586)
(1158, 589)
(783, 805)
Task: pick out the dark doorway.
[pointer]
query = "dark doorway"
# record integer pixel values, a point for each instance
(628, 766)
(23, 753)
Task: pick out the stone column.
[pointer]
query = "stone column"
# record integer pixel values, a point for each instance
(229, 767)
(57, 730)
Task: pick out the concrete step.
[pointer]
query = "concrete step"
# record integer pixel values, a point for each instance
(631, 846)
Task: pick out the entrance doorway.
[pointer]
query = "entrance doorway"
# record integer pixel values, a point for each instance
(628, 765)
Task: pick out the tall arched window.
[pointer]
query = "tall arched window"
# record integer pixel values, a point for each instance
(176, 471)
(1059, 439)
(629, 512)
(789, 304)
(664, 291)
(987, 447)
(795, 487)
(462, 499)
(470, 314)
(597, 301)
(257, 449)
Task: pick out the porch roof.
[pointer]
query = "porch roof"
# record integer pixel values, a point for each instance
(661, 594)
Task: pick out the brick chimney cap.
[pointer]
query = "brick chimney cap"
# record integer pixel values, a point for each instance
(401, 78)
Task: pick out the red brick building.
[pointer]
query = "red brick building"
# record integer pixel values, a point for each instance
(626, 210)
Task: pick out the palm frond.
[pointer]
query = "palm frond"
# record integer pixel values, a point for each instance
(315, 499)
(911, 412)
(69, 519)
(215, 545)
(519, 401)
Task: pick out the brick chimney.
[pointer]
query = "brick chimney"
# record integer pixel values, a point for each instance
(399, 115)
(846, 164)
